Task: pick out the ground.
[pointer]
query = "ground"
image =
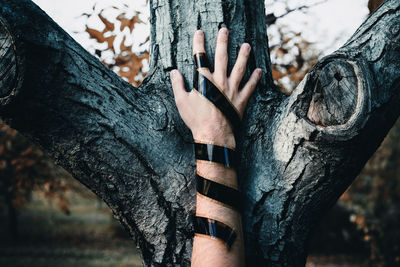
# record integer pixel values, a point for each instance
(88, 236)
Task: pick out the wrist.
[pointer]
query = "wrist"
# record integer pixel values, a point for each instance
(215, 136)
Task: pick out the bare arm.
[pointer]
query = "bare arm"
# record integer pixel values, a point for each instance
(209, 125)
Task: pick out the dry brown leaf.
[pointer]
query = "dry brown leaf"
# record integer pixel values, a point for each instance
(276, 74)
(110, 42)
(280, 52)
(130, 23)
(134, 63)
(286, 40)
(109, 26)
(373, 5)
(95, 34)
(123, 47)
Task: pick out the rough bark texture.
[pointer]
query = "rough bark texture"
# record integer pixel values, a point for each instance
(128, 145)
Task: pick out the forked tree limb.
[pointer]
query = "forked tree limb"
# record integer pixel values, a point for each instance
(321, 138)
(128, 145)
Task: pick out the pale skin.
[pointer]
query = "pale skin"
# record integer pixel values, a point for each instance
(209, 125)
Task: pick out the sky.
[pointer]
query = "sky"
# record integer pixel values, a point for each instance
(328, 25)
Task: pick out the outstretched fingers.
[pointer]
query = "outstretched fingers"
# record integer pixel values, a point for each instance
(230, 85)
(221, 55)
(198, 42)
(240, 66)
(198, 46)
(178, 85)
(248, 88)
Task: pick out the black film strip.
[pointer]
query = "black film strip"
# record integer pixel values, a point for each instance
(214, 153)
(215, 229)
(219, 192)
(213, 94)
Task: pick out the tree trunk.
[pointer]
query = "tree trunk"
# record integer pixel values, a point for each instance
(129, 145)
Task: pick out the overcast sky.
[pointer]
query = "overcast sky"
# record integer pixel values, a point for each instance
(329, 24)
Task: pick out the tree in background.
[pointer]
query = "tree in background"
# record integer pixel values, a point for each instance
(24, 168)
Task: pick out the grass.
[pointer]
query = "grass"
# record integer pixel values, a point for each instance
(88, 236)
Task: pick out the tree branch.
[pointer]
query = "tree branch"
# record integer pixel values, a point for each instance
(109, 135)
(320, 139)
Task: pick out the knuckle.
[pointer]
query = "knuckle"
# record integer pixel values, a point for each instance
(240, 103)
(223, 83)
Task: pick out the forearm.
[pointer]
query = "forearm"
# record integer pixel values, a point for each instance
(208, 251)
(214, 252)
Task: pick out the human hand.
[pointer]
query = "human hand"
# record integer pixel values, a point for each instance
(201, 116)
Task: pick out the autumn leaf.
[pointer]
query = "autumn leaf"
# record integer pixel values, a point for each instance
(110, 42)
(100, 38)
(95, 34)
(130, 23)
(280, 52)
(109, 26)
(123, 47)
(276, 74)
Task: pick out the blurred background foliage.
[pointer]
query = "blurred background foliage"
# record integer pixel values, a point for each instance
(128, 64)
(363, 227)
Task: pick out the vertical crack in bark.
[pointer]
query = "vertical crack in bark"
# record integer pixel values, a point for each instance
(227, 7)
(296, 146)
(285, 222)
(259, 204)
(171, 226)
(175, 29)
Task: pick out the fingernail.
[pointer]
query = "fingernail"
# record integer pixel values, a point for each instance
(199, 32)
(224, 31)
(259, 71)
(172, 74)
(247, 46)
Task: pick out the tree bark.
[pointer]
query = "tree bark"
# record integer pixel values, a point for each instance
(129, 145)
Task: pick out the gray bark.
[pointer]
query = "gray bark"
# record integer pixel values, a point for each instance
(129, 145)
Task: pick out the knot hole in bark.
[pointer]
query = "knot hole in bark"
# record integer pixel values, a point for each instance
(334, 94)
(338, 76)
(11, 74)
